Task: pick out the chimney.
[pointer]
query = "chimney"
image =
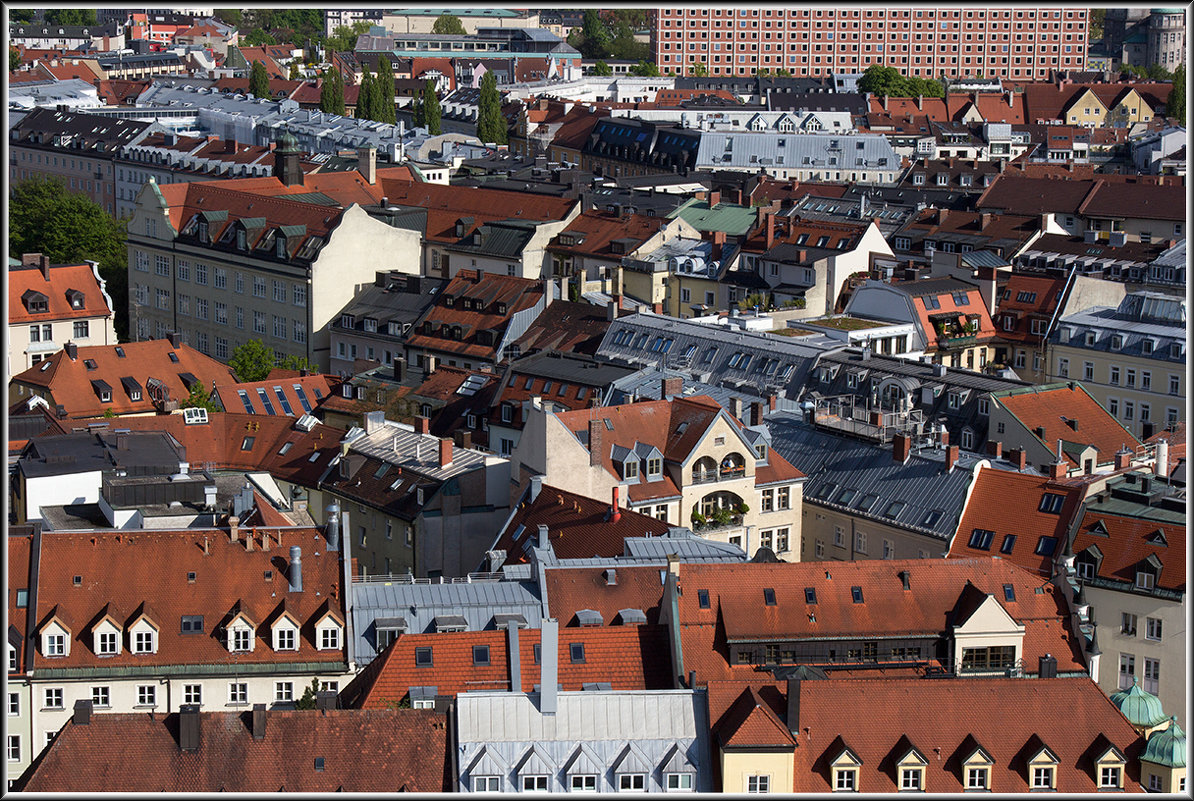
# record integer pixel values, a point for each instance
(920, 102)
(374, 421)
(549, 655)
(944, 437)
(657, 308)
(611, 576)
(595, 450)
(951, 457)
(543, 536)
(1123, 459)
(445, 452)
(719, 242)
(1018, 457)
(326, 699)
(72, 351)
(1058, 469)
(82, 716)
(985, 220)
(258, 721)
(756, 413)
(794, 706)
(174, 339)
(941, 215)
(771, 401)
(514, 657)
(901, 448)
(770, 229)
(332, 527)
(1048, 667)
(612, 308)
(234, 528)
(736, 407)
(995, 449)
(422, 425)
(671, 386)
(367, 163)
(615, 510)
(1040, 432)
(714, 198)
(463, 439)
(188, 727)
(904, 576)
(1161, 463)
(296, 569)
(536, 487)
(249, 538)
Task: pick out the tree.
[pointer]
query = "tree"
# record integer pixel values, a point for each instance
(70, 16)
(199, 398)
(336, 101)
(595, 40)
(491, 125)
(14, 59)
(1095, 18)
(24, 15)
(418, 111)
(624, 46)
(432, 115)
(68, 228)
(1175, 104)
(601, 68)
(259, 80)
(300, 363)
(327, 92)
(699, 70)
(365, 103)
(448, 25)
(385, 110)
(344, 39)
(645, 69)
(882, 81)
(258, 38)
(252, 361)
(294, 71)
(307, 701)
(230, 16)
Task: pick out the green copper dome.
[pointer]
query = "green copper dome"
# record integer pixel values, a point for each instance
(1141, 708)
(1167, 747)
(287, 143)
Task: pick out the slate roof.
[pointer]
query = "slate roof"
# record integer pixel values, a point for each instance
(738, 613)
(707, 350)
(142, 453)
(1050, 406)
(1139, 317)
(63, 279)
(92, 134)
(948, 718)
(568, 381)
(1005, 233)
(834, 464)
(338, 750)
(123, 572)
(69, 381)
(628, 657)
(804, 151)
(1008, 505)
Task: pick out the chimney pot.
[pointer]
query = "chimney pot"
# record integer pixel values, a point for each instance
(82, 716)
(995, 449)
(673, 385)
(951, 457)
(1123, 459)
(296, 569)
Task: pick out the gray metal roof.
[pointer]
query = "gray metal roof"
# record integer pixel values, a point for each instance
(1141, 317)
(419, 604)
(1174, 256)
(138, 453)
(797, 151)
(777, 363)
(647, 384)
(397, 443)
(834, 463)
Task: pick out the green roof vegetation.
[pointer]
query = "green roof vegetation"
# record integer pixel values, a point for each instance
(728, 217)
(844, 323)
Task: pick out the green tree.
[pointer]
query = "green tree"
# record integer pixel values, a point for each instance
(344, 39)
(337, 94)
(252, 361)
(294, 71)
(1175, 104)
(624, 46)
(307, 701)
(699, 70)
(783, 73)
(259, 80)
(432, 114)
(385, 110)
(595, 39)
(601, 68)
(258, 38)
(418, 111)
(491, 125)
(881, 81)
(199, 398)
(14, 59)
(68, 228)
(365, 101)
(645, 69)
(448, 25)
(230, 16)
(915, 87)
(20, 15)
(1095, 18)
(71, 16)
(292, 362)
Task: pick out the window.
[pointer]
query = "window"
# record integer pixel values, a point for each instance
(1152, 676)
(423, 657)
(101, 697)
(52, 698)
(147, 695)
(106, 643)
(329, 639)
(14, 704)
(976, 779)
(860, 542)
(534, 784)
(1145, 580)
(910, 778)
(242, 639)
(487, 784)
(238, 693)
(481, 655)
(576, 652)
(82, 329)
(1042, 778)
(679, 781)
(143, 642)
(192, 694)
(758, 784)
(1127, 670)
(703, 599)
(981, 538)
(14, 748)
(191, 624)
(845, 779)
(283, 692)
(1109, 776)
(632, 782)
(285, 639)
(1152, 628)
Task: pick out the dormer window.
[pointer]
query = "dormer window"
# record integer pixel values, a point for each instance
(75, 298)
(107, 643)
(36, 302)
(285, 635)
(203, 232)
(280, 246)
(1117, 341)
(630, 468)
(241, 240)
(347, 321)
(654, 467)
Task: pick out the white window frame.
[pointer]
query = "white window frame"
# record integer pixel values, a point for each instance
(535, 783)
(487, 784)
(329, 638)
(845, 780)
(627, 782)
(192, 694)
(582, 783)
(147, 695)
(283, 692)
(678, 782)
(238, 693)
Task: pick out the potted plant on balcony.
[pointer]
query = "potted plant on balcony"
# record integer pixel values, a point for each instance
(722, 516)
(698, 520)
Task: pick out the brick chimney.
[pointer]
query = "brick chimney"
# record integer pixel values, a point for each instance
(756, 414)
(995, 449)
(1058, 469)
(719, 243)
(736, 407)
(944, 438)
(422, 425)
(445, 452)
(951, 457)
(714, 198)
(671, 386)
(1018, 457)
(1123, 459)
(595, 429)
(901, 448)
(770, 223)
(367, 163)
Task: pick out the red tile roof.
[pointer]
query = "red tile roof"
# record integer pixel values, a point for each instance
(1148, 200)
(121, 92)
(69, 381)
(737, 611)
(1049, 406)
(85, 70)
(1177, 444)
(423, 64)
(789, 229)
(948, 311)
(628, 657)
(19, 550)
(63, 278)
(1008, 504)
(571, 589)
(1125, 542)
(315, 387)
(577, 126)
(751, 722)
(577, 527)
(599, 229)
(1028, 298)
(127, 572)
(484, 205)
(339, 750)
(566, 327)
(946, 718)
(431, 331)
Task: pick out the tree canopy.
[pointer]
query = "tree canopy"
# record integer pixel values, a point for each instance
(1175, 104)
(645, 69)
(258, 38)
(384, 109)
(432, 114)
(365, 95)
(601, 68)
(259, 80)
(888, 82)
(448, 24)
(68, 228)
(344, 39)
(14, 59)
(491, 125)
(252, 361)
(331, 92)
(199, 398)
(70, 16)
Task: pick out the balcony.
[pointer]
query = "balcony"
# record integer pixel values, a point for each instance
(961, 341)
